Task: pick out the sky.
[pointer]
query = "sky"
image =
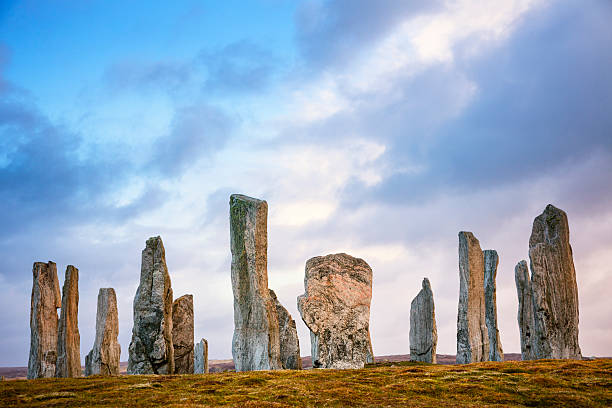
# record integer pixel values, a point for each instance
(379, 129)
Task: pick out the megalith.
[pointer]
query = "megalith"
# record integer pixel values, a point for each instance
(491, 261)
(151, 350)
(201, 357)
(472, 334)
(182, 334)
(103, 359)
(553, 285)
(525, 311)
(68, 338)
(289, 342)
(256, 340)
(423, 332)
(336, 309)
(46, 299)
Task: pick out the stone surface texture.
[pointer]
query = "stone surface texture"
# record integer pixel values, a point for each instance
(103, 359)
(491, 261)
(256, 340)
(46, 299)
(289, 342)
(525, 310)
(554, 289)
(182, 334)
(472, 334)
(336, 309)
(151, 350)
(423, 332)
(201, 357)
(68, 338)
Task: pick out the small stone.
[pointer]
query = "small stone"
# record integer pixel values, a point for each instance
(472, 334)
(103, 359)
(491, 261)
(69, 340)
(182, 334)
(151, 350)
(289, 342)
(46, 299)
(525, 310)
(201, 357)
(423, 333)
(336, 309)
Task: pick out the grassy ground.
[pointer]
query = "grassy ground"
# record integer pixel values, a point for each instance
(559, 383)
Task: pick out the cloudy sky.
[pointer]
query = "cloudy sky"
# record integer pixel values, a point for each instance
(376, 128)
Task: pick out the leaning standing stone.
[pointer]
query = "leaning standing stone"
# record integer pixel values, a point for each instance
(336, 309)
(201, 357)
(182, 334)
(472, 335)
(256, 342)
(46, 299)
(103, 359)
(151, 350)
(491, 260)
(68, 339)
(553, 282)
(525, 310)
(289, 342)
(423, 333)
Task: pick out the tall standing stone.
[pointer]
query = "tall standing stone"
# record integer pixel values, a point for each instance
(553, 283)
(103, 359)
(46, 299)
(491, 261)
(201, 357)
(289, 342)
(256, 340)
(182, 334)
(472, 334)
(525, 310)
(68, 339)
(423, 332)
(151, 350)
(336, 309)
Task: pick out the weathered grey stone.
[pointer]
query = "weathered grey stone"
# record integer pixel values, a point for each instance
(554, 289)
(423, 332)
(103, 358)
(472, 334)
(46, 299)
(151, 350)
(491, 260)
(68, 338)
(182, 334)
(256, 340)
(336, 309)
(289, 342)
(525, 310)
(201, 357)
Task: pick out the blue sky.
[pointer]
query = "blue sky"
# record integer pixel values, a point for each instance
(380, 129)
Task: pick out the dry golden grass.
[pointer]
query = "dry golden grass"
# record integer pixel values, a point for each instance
(546, 383)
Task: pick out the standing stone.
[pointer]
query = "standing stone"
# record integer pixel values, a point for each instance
(68, 339)
(151, 350)
(472, 335)
(289, 342)
(46, 299)
(525, 310)
(491, 260)
(423, 332)
(256, 340)
(336, 309)
(553, 284)
(201, 357)
(103, 359)
(182, 334)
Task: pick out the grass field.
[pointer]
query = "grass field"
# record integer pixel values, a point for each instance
(547, 383)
